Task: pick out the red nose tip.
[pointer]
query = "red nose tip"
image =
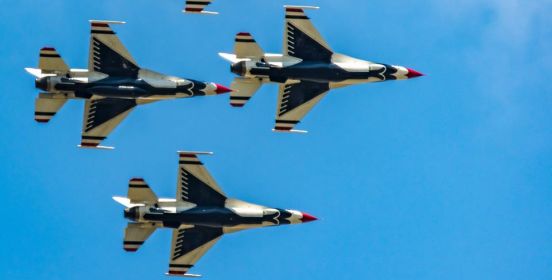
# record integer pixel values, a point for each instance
(413, 73)
(222, 89)
(308, 218)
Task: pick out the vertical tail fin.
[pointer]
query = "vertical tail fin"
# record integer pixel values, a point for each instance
(247, 47)
(140, 192)
(50, 62)
(47, 105)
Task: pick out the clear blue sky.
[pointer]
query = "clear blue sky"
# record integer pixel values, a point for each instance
(444, 177)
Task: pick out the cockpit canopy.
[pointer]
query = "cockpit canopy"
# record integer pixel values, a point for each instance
(270, 212)
(182, 82)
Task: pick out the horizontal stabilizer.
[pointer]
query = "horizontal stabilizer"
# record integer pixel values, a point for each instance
(46, 106)
(51, 62)
(140, 192)
(136, 235)
(243, 90)
(247, 47)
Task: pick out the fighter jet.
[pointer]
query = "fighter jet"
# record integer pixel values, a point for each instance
(112, 86)
(199, 216)
(306, 71)
(197, 7)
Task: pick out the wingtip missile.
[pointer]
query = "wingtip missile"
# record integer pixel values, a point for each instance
(106, 21)
(210, 13)
(301, 7)
(187, 275)
(290, 131)
(195, 153)
(96, 147)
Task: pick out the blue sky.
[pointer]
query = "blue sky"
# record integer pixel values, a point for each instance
(444, 177)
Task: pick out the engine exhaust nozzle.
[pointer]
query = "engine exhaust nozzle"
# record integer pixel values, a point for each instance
(42, 83)
(238, 68)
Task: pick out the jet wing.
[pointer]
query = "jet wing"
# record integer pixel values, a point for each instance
(301, 39)
(197, 7)
(195, 184)
(101, 116)
(295, 100)
(107, 54)
(189, 244)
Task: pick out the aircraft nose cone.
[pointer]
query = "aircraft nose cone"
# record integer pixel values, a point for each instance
(308, 218)
(222, 89)
(413, 73)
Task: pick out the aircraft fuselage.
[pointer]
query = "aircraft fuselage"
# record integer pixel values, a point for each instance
(147, 85)
(340, 70)
(173, 217)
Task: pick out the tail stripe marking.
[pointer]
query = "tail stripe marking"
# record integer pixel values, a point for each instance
(196, 6)
(50, 114)
(295, 13)
(101, 28)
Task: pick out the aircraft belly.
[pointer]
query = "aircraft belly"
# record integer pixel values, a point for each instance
(208, 218)
(317, 74)
(162, 96)
(117, 91)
